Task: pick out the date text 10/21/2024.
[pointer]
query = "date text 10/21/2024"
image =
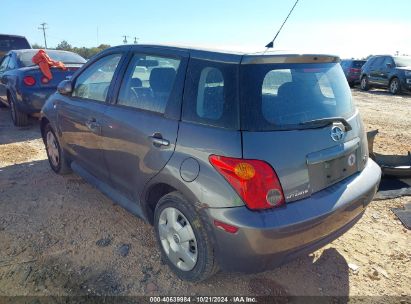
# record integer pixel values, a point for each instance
(205, 299)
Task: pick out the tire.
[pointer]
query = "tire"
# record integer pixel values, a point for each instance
(178, 225)
(364, 83)
(20, 119)
(395, 86)
(55, 155)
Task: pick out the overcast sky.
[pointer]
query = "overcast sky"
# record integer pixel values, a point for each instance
(347, 28)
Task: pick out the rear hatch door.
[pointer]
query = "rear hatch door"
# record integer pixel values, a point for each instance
(300, 118)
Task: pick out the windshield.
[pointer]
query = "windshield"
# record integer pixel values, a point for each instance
(285, 96)
(65, 57)
(8, 43)
(402, 61)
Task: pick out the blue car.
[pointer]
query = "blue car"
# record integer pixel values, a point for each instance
(24, 88)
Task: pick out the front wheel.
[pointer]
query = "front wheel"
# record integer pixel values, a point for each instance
(364, 84)
(55, 155)
(395, 86)
(183, 240)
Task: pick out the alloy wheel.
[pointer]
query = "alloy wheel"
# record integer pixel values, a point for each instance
(363, 83)
(394, 86)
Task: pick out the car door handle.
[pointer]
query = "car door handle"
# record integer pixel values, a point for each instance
(158, 140)
(92, 125)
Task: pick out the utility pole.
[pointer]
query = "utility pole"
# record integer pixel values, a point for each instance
(44, 28)
(135, 40)
(125, 39)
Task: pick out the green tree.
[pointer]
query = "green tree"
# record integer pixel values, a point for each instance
(37, 46)
(64, 46)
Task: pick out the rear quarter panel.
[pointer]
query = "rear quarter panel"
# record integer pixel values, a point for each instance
(209, 189)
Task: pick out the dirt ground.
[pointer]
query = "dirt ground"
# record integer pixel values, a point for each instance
(60, 236)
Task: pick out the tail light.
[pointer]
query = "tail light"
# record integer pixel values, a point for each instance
(355, 70)
(29, 81)
(254, 180)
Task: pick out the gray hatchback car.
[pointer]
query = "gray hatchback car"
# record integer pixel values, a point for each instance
(240, 161)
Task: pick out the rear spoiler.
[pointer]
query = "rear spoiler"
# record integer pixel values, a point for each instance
(289, 58)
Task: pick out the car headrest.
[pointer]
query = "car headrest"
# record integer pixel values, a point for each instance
(136, 83)
(162, 79)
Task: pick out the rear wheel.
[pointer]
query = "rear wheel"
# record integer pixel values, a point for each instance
(364, 83)
(56, 157)
(19, 118)
(395, 86)
(184, 243)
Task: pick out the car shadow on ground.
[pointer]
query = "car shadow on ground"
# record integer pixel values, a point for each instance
(322, 274)
(11, 134)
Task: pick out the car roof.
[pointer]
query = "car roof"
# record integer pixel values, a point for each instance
(228, 56)
(34, 50)
(12, 36)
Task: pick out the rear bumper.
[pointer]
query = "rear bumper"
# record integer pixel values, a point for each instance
(270, 238)
(353, 78)
(32, 101)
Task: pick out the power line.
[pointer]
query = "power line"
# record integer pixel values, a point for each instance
(44, 28)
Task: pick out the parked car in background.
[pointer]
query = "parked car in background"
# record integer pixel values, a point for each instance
(12, 42)
(352, 70)
(384, 71)
(24, 88)
(241, 162)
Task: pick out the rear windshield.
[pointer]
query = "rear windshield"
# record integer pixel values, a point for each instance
(402, 61)
(283, 96)
(8, 43)
(65, 57)
(358, 64)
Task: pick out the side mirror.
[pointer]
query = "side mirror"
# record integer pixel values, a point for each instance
(65, 87)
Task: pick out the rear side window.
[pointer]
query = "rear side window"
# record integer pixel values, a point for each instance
(283, 96)
(357, 64)
(148, 83)
(211, 94)
(8, 43)
(94, 82)
(378, 61)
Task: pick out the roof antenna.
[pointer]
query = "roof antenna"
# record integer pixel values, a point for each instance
(270, 45)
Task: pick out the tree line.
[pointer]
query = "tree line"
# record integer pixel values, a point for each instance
(82, 51)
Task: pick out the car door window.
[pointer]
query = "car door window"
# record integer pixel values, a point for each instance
(12, 64)
(95, 81)
(388, 60)
(378, 62)
(4, 63)
(148, 82)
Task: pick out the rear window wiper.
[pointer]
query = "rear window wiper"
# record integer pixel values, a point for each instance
(327, 121)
